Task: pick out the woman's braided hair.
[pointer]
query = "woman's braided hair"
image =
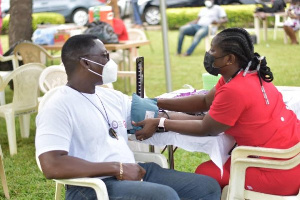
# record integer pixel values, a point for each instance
(238, 42)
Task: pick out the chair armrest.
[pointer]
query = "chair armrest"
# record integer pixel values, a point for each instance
(6, 58)
(238, 171)
(151, 157)
(264, 163)
(126, 74)
(12, 58)
(55, 57)
(96, 183)
(49, 55)
(245, 151)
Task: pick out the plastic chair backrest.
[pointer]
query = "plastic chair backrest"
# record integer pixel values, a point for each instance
(136, 34)
(31, 53)
(26, 91)
(52, 77)
(240, 161)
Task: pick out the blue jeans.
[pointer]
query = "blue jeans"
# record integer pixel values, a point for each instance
(159, 183)
(195, 30)
(136, 13)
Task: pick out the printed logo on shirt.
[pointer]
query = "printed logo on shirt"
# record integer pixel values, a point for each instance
(118, 124)
(114, 124)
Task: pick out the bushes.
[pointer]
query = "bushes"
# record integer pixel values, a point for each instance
(238, 16)
(38, 18)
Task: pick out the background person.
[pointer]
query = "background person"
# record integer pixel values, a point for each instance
(137, 21)
(211, 14)
(82, 132)
(292, 24)
(277, 6)
(120, 29)
(244, 104)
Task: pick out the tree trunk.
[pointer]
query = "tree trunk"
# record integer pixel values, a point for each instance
(20, 23)
(115, 8)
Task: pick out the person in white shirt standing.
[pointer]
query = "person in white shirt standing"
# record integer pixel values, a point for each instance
(82, 132)
(211, 14)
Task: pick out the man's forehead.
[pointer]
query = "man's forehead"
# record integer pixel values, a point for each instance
(100, 46)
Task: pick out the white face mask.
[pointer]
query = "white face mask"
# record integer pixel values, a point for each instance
(208, 4)
(109, 72)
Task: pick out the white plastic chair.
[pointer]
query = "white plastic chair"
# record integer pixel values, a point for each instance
(51, 77)
(5, 73)
(280, 18)
(240, 162)
(136, 34)
(96, 183)
(25, 79)
(3, 176)
(33, 53)
(212, 31)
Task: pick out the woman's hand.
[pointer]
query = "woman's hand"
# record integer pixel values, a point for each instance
(149, 128)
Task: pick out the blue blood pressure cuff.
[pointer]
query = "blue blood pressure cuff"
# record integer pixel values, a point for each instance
(142, 108)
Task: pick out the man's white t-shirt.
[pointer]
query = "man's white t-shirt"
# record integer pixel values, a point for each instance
(208, 15)
(70, 121)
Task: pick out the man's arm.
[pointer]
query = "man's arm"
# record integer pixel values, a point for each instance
(221, 21)
(59, 165)
(194, 21)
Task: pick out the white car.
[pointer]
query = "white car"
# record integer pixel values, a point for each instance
(150, 13)
(75, 11)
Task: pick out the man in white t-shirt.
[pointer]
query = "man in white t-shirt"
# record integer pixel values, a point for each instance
(82, 132)
(211, 14)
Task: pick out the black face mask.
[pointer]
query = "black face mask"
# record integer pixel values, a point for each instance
(209, 62)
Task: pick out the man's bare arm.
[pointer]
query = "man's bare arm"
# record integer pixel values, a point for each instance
(59, 165)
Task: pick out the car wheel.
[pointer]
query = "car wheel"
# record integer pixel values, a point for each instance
(152, 15)
(235, 3)
(80, 17)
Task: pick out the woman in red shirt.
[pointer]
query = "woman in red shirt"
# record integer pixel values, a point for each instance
(244, 104)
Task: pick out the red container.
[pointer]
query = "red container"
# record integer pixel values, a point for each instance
(102, 13)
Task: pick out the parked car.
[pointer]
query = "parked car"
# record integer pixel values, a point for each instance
(149, 9)
(75, 11)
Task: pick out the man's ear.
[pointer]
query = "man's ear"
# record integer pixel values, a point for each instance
(84, 63)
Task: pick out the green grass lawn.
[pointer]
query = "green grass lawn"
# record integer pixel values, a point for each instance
(25, 181)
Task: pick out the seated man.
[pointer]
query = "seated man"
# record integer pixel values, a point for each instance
(82, 132)
(276, 6)
(212, 14)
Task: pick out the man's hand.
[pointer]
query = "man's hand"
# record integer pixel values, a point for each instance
(215, 22)
(149, 128)
(132, 172)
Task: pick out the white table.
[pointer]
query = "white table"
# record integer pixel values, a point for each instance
(217, 147)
